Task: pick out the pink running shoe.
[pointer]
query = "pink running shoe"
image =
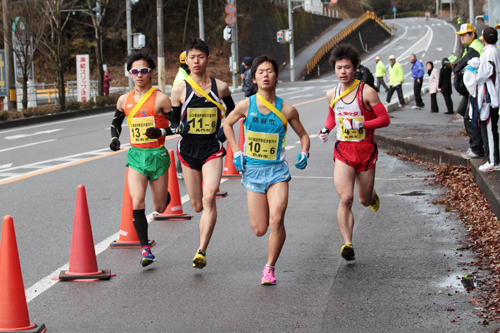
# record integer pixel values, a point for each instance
(268, 276)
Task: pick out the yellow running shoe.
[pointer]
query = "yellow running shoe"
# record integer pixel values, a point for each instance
(374, 206)
(347, 252)
(199, 260)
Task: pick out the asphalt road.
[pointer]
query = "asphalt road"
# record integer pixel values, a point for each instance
(404, 277)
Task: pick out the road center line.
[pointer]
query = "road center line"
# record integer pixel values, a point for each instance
(27, 145)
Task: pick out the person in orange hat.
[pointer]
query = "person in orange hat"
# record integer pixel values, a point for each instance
(107, 80)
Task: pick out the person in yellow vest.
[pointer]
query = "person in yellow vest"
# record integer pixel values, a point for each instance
(182, 74)
(380, 74)
(396, 80)
(147, 159)
(452, 58)
(473, 48)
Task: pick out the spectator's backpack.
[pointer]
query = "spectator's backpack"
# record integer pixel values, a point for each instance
(458, 80)
(364, 74)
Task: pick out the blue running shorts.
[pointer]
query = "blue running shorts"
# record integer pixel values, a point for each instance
(258, 178)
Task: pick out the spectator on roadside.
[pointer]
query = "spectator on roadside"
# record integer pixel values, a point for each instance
(483, 82)
(417, 72)
(444, 85)
(396, 80)
(363, 74)
(106, 85)
(380, 74)
(182, 74)
(433, 85)
(247, 85)
(459, 20)
(242, 69)
(473, 48)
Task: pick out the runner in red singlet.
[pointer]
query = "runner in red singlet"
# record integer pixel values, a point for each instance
(356, 110)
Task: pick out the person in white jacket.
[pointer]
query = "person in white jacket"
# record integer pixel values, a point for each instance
(483, 83)
(433, 85)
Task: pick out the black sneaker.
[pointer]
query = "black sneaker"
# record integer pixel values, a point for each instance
(347, 252)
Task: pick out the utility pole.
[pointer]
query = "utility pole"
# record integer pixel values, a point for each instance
(129, 36)
(9, 58)
(161, 48)
(236, 62)
(471, 11)
(200, 16)
(292, 53)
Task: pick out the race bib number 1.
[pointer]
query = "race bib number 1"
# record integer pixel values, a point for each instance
(350, 134)
(138, 128)
(202, 121)
(262, 146)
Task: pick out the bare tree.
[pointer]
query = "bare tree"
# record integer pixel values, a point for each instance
(101, 7)
(30, 25)
(52, 45)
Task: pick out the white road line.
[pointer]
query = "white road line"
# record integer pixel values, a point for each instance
(300, 96)
(47, 282)
(20, 136)
(59, 122)
(27, 145)
(312, 136)
(289, 147)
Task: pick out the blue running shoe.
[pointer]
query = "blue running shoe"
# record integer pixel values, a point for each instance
(147, 257)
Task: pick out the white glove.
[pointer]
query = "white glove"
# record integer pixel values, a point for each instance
(323, 134)
(351, 124)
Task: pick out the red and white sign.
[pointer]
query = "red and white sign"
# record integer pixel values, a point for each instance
(83, 77)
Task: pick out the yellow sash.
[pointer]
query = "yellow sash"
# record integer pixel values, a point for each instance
(138, 105)
(273, 110)
(351, 88)
(204, 94)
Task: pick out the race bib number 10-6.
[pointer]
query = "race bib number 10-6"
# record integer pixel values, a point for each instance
(202, 121)
(138, 128)
(351, 134)
(262, 146)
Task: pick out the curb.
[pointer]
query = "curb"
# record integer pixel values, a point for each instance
(488, 184)
(55, 117)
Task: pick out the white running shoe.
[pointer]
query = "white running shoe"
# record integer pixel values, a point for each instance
(470, 154)
(487, 167)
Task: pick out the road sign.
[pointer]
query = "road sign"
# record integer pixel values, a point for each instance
(230, 19)
(394, 4)
(231, 2)
(3, 82)
(394, 9)
(280, 37)
(230, 9)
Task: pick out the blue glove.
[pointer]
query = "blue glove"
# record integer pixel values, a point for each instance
(183, 128)
(239, 161)
(470, 68)
(301, 161)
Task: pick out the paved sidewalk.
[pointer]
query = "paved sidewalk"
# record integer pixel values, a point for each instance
(437, 138)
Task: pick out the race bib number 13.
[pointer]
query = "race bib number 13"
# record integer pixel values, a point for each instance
(351, 134)
(262, 146)
(202, 121)
(138, 128)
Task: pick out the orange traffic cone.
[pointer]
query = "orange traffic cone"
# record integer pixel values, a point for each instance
(220, 194)
(174, 209)
(241, 136)
(82, 260)
(14, 314)
(229, 168)
(128, 236)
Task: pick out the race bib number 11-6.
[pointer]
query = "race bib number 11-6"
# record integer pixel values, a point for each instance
(351, 134)
(202, 121)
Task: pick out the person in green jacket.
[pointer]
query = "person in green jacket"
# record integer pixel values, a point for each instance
(468, 37)
(380, 74)
(183, 70)
(181, 75)
(452, 58)
(396, 80)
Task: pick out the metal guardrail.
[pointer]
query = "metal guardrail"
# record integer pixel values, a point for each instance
(311, 64)
(48, 94)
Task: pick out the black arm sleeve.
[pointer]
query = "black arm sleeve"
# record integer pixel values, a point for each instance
(228, 100)
(116, 124)
(175, 117)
